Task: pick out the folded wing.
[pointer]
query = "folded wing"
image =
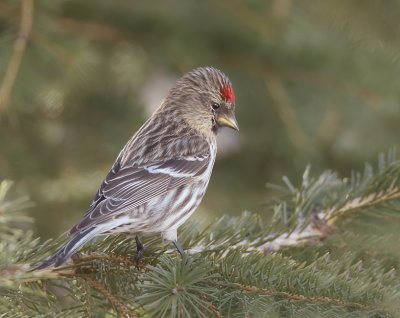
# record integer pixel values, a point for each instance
(126, 188)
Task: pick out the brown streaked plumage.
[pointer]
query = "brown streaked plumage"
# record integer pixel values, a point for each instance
(162, 173)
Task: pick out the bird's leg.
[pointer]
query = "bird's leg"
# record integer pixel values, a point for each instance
(181, 251)
(140, 249)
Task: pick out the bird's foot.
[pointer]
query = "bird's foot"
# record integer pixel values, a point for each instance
(181, 251)
(139, 254)
(140, 249)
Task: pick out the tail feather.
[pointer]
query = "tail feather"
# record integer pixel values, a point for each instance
(79, 240)
(70, 248)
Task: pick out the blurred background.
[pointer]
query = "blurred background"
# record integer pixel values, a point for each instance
(316, 82)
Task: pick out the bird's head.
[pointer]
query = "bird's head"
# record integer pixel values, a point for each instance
(204, 99)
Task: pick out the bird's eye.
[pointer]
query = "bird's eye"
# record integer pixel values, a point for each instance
(215, 106)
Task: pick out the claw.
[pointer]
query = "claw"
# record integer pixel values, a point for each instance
(181, 251)
(140, 249)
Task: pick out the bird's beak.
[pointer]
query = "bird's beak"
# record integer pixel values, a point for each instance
(228, 120)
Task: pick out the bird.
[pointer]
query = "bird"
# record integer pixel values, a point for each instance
(161, 175)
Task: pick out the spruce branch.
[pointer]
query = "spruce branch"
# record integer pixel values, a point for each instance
(110, 257)
(355, 205)
(311, 212)
(311, 300)
(228, 276)
(125, 311)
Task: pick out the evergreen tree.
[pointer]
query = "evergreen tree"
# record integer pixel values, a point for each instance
(316, 81)
(331, 250)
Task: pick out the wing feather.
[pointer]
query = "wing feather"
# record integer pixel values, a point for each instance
(126, 188)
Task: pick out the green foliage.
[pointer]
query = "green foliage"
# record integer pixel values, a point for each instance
(327, 198)
(342, 264)
(177, 289)
(314, 80)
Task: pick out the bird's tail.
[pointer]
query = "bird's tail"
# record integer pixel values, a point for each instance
(70, 248)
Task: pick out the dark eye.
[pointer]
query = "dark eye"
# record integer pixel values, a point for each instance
(215, 106)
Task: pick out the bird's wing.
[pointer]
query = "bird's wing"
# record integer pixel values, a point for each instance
(126, 188)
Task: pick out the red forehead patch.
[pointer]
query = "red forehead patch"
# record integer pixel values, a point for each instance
(227, 93)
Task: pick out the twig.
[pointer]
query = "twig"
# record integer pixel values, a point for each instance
(312, 300)
(86, 301)
(362, 203)
(116, 302)
(212, 307)
(55, 48)
(17, 54)
(114, 258)
(323, 222)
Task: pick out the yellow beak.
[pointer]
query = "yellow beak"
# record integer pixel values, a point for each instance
(228, 120)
